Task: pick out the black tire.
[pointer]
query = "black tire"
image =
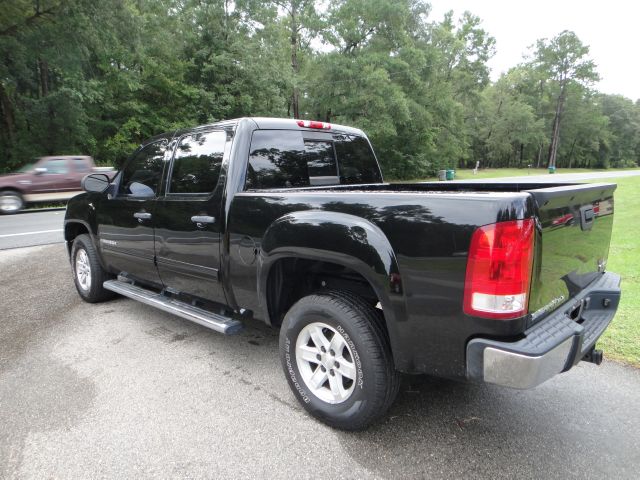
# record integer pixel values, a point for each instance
(93, 291)
(361, 325)
(11, 202)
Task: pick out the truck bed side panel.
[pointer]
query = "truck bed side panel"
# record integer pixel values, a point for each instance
(430, 234)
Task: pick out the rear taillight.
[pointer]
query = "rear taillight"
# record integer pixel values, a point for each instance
(499, 270)
(314, 124)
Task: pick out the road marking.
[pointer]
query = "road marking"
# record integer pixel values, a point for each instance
(29, 233)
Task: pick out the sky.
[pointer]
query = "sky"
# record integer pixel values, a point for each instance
(608, 27)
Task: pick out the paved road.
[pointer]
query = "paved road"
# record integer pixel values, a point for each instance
(120, 390)
(31, 228)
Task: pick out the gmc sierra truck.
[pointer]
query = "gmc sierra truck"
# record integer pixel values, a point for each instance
(49, 179)
(290, 222)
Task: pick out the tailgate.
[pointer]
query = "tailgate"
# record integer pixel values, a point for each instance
(572, 249)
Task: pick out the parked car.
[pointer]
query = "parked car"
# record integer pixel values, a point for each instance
(290, 222)
(49, 179)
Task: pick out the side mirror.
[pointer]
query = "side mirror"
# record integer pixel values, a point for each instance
(39, 170)
(95, 182)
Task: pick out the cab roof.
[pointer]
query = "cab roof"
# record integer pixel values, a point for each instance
(262, 123)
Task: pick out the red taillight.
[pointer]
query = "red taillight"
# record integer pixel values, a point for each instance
(314, 124)
(499, 270)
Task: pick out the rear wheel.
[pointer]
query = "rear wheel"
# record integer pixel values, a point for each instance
(88, 274)
(337, 359)
(11, 202)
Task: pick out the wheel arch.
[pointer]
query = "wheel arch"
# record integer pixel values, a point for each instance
(74, 228)
(7, 188)
(349, 249)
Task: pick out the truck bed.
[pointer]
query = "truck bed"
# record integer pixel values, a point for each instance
(429, 226)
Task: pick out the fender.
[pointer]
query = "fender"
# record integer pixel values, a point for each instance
(82, 212)
(342, 239)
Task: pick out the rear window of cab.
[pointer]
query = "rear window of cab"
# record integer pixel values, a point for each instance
(294, 158)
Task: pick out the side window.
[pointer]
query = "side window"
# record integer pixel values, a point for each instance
(197, 162)
(57, 166)
(80, 165)
(141, 175)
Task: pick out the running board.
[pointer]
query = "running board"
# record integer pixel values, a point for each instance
(216, 322)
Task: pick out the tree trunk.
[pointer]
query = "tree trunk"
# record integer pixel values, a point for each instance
(7, 114)
(294, 60)
(555, 133)
(43, 67)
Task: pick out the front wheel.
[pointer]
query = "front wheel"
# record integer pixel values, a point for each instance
(88, 274)
(337, 359)
(11, 202)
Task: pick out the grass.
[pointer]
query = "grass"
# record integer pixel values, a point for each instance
(467, 174)
(621, 341)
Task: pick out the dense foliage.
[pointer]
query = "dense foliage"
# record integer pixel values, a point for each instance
(80, 76)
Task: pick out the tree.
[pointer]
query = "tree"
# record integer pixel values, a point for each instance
(623, 122)
(80, 76)
(564, 60)
(506, 126)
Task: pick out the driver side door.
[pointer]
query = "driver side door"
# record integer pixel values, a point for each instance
(126, 220)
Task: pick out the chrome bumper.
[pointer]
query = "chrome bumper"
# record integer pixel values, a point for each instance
(553, 345)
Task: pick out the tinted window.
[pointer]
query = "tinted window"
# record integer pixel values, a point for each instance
(284, 158)
(276, 160)
(80, 165)
(57, 166)
(141, 176)
(356, 159)
(197, 161)
(321, 163)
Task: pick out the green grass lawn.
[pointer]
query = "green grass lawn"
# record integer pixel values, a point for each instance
(622, 339)
(467, 174)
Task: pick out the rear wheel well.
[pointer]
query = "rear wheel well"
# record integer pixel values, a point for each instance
(290, 279)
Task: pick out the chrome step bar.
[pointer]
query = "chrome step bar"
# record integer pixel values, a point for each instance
(216, 322)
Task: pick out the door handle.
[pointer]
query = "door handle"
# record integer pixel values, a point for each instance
(142, 216)
(201, 220)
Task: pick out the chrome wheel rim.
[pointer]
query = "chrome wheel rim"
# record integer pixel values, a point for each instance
(326, 363)
(83, 270)
(10, 203)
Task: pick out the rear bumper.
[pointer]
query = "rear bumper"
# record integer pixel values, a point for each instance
(551, 346)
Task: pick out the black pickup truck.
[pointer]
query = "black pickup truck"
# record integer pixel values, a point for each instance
(290, 222)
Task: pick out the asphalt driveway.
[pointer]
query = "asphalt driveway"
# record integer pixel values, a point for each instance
(120, 390)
